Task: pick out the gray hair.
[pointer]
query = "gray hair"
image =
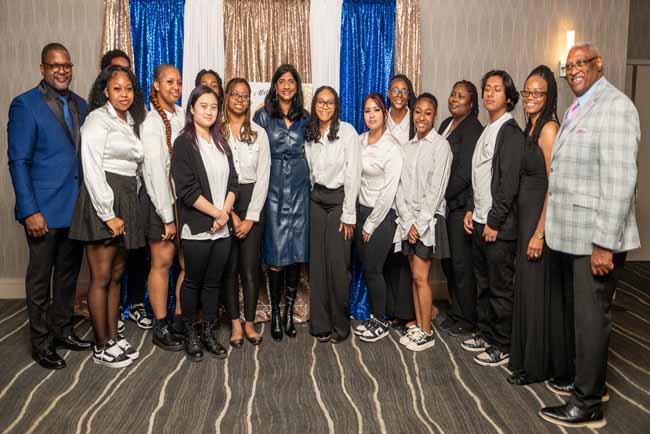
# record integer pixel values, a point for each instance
(589, 46)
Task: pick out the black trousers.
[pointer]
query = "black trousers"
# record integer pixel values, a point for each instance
(329, 264)
(459, 270)
(399, 287)
(244, 262)
(494, 268)
(136, 273)
(592, 300)
(205, 262)
(373, 255)
(56, 258)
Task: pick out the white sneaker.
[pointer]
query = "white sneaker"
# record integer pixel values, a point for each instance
(126, 347)
(120, 324)
(475, 344)
(361, 328)
(406, 337)
(111, 355)
(375, 330)
(138, 314)
(421, 341)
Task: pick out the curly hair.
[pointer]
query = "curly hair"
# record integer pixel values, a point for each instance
(246, 134)
(312, 130)
(97, 98)
(155, 102)
(272, 101)
(473, 94)
(512, 95)
(199, 77)
(549, 112)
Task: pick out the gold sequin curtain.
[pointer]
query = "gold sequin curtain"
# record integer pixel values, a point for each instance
(407, 41)
(117, 27)
(260, 35)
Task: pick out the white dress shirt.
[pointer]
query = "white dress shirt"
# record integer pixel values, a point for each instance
(482, 168)
(400, 130)
(108, 144)
(218, 171)
(338, 164)
(253, 164)
(381, 168)
(155, 167)
(421, 192)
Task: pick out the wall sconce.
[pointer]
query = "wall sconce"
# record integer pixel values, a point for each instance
(570, 42)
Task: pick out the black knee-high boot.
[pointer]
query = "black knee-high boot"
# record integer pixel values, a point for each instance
(292, 273)
(275, 287)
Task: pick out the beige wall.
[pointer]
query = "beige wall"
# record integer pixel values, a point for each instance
(638, 45)
(25, 27)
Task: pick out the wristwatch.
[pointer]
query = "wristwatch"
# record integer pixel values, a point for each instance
(540, 235)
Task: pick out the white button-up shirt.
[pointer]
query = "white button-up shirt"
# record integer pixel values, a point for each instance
(381, 168)
(400, 130)
(482, 168)
(421, 192)
(337, 163)
(155, 167)
(108, 144)
(253, 164)
(218, 171)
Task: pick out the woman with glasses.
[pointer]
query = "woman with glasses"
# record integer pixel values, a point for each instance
(381, 167)
(332, 149)
(252, 157)
(286, 226)
(532, 352)
(401, 99)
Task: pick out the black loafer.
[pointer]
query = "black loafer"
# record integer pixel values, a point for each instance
(73, 342)
(338, 339)
(520, 379)
(565, 387)
(573, 417)
(48, 359)
(323, 337)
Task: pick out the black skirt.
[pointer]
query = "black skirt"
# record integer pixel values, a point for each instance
(88, 227)
(154, 228)
(427, 252)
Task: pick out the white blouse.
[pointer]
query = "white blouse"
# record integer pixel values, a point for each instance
(218, 171)
(421, 192)
(108, 144)
(253, 165)
(338, 164)
(155, 167)
(381, 168)
(400, 130)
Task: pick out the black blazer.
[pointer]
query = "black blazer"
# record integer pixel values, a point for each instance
(191, 181)
(462, 142)
(506, 168)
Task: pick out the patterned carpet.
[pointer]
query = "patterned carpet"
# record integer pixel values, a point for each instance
(302, 387)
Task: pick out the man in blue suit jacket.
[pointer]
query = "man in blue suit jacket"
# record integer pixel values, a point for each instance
(43, 149)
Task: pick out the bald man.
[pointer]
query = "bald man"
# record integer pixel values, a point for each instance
(591, 224)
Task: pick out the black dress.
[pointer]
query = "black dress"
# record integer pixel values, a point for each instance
(538, 342)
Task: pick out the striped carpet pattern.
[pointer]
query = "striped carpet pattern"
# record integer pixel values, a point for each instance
(302, 387)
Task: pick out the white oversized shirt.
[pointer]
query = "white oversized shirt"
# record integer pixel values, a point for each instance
(400, 130)
(155, 167)
(108, 144)
(482, 168)
(421, 192)
(218, 171)
(337, 163)
(381, 168)
(253, 164)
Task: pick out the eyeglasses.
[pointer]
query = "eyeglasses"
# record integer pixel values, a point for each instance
(395, 92)
(535, 94)
(326, 104)
(239, 96)
(579, 63)
(65, 67)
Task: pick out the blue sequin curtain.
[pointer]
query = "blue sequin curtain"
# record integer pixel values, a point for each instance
(157, 32)
(367, 41)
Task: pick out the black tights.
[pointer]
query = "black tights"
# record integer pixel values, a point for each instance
(107, 263)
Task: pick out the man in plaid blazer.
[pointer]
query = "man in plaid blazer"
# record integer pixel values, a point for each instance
(591, 223)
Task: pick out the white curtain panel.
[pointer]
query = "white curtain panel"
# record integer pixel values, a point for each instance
(203, 41)
(325, 35)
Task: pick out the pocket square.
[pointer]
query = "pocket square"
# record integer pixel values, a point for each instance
(581, 131)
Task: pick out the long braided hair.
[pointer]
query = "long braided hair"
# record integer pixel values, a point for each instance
(246, 134)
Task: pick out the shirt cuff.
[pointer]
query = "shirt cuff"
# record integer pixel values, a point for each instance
(106, 216)
(349, 219)
(166, 215)
(368, 227)
(253, 216)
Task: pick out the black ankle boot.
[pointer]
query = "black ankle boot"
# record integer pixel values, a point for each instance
(177, 327)
(192, 342)
(162, 337)
(275, 286)
(212, 346)
(289, 300)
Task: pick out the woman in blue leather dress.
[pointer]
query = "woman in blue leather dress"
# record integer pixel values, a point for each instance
(286, 223)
